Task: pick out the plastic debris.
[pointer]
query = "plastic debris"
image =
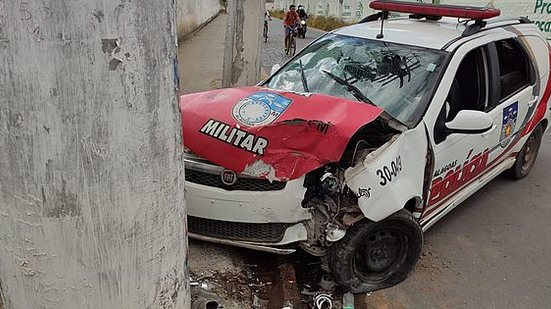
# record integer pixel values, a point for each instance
(323, 301)
(348, 301)
(203, 303)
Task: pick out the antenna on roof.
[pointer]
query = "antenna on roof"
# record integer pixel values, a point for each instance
(381, 35)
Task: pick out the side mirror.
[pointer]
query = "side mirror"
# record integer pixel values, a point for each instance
(275, 68)
(470, 122)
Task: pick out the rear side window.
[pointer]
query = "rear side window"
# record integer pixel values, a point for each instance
(514, 67)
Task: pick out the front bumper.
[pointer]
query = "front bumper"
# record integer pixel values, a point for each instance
(254, 215)
(292, 234)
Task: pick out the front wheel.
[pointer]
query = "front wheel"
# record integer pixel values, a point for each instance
(377, 255)
(292, 46)
(527, 156)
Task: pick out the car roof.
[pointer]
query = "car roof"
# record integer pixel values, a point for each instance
(416, 32)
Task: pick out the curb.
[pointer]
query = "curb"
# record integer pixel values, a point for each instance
(189, 35)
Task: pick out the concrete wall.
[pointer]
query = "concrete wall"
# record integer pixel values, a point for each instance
(92, 209)
(193, 13)
(538, 11)
(351, 9)
(243, 43)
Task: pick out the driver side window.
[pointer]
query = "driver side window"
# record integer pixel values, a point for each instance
(469, 89)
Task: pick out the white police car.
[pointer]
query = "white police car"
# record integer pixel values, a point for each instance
(367, 137)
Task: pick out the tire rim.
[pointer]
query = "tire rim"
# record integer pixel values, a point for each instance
(529, 153)
(380, 254)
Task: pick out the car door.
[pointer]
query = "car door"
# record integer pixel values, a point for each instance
(491, 78)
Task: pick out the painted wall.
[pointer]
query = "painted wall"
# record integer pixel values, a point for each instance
(92, 209)
(538, 11)
(351, 9)
(193, 13)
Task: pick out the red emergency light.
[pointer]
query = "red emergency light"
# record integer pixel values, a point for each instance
(427, 9)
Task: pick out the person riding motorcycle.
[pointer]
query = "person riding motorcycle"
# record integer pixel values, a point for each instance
(291, 22)
(302, 13)
(303, 17)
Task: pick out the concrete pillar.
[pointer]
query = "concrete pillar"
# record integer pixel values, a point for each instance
(92, 210)
(243, 39)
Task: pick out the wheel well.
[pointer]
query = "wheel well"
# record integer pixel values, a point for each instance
(413, 205)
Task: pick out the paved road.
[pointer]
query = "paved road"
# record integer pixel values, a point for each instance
(493, 251)
(272, 51)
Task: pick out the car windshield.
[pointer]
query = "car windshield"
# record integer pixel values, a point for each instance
(392, 76)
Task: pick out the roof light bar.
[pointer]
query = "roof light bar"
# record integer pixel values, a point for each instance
(427, 9)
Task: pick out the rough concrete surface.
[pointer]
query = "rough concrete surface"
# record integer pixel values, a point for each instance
(92, 209)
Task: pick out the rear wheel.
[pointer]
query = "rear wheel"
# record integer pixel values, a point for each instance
(377, 255)
(527, 156)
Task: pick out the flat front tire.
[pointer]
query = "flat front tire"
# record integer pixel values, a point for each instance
(377, 255)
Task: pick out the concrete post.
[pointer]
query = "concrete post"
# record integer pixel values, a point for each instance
(243, 39)
(92, 211)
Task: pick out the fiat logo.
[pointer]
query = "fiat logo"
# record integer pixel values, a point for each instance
(228, 177)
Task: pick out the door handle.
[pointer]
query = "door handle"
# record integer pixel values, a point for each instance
(534, 100)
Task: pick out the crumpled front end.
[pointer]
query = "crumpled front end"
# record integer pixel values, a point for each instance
(266, 168)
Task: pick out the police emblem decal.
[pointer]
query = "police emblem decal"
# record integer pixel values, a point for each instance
(260, 108)
(509, 121)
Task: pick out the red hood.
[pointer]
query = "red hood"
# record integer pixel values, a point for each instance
(269, 133)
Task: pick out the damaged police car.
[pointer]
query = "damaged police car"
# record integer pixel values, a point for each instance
(368, 137)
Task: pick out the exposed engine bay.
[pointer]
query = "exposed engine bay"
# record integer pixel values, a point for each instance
(333, 204)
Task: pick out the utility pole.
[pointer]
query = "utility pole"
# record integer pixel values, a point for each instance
(243, 41)
(92, 210)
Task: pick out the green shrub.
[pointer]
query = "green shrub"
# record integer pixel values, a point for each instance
(326, 23)
(277, 14)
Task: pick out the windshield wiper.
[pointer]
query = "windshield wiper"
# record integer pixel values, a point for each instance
(304, 83)
(353, 89)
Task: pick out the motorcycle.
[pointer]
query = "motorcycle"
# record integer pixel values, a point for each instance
(302, 29)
